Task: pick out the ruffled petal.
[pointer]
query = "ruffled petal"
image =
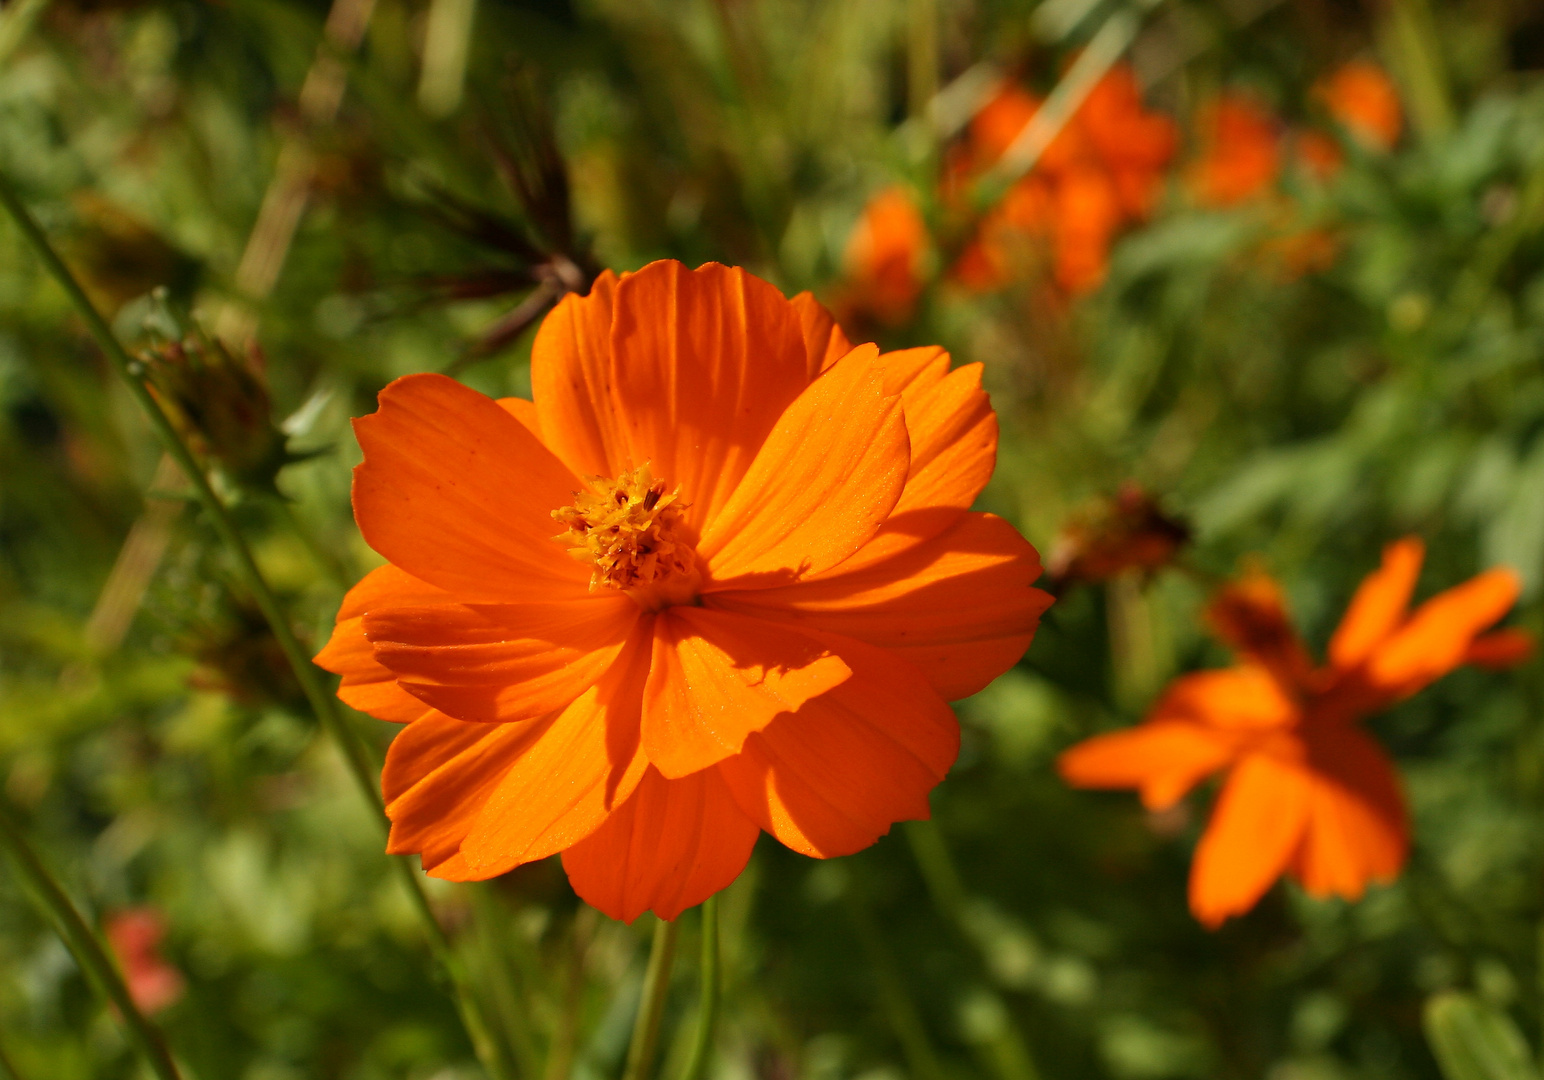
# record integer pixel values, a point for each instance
(584, 765)
(824, 342)
(1253, 836)
(669, 847)
(959, 607)
(439, 772)
(501, 663)
(1358, 827)
(716, 677)
(458, 493)
(833, 777)
(952, 427)
(826, 477)
(571, 382)
(1163, 759)
(367, 684)
(703, 363)
(1379, 605)
(1433, 642)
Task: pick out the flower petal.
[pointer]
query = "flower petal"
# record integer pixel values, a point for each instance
(703, 362)
(523, 411)
(1379, 605)
(1163, 759)
(457, 492)
(367, 684)
(439, 772)
(672, 845)
(824, 342)
(959, 607)
(585, 764)
(501, 663)
(1244, 700)
(952, 427)
(833, 777)
(717, 677)
(1433, 642)
(571, 382)
(1500, 649)
(1252, 837)
(826, 477)
(1358, 828)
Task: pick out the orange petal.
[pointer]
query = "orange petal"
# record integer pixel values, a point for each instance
(367, 684)
(671, 846)
(571, 382)
(951, 424)
(703, 363)
(1245, 700)
(1253, 834)
(584, 765)
(501, 663)
(717, 677)
(457, 492)
(959, 607)
(827, 476)
(824, 342)
(1163, 759)
(439, 772)
(1358, 828)
(1500, 649)
(523, 411)
(1439, 632)
(1379, 605)
(833, 777)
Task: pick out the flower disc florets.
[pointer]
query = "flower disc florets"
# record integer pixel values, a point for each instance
(631, 533)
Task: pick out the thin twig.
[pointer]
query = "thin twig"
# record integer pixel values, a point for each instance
(651, 1006)
(86, 948)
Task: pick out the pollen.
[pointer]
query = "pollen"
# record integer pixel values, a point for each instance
(632, 533)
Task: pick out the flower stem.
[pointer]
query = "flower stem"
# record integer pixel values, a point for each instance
(707, 1009)
(89, 954)
(323, 704)
(651, 1007)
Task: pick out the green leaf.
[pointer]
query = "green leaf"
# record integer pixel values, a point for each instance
(1473, 1040)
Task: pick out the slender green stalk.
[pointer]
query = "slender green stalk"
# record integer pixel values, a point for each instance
(87, 949)
(900, 1010)
(322, 702)
(707, 1009)
(651, 1007)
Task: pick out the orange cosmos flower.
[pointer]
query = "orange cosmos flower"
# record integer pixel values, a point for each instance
(1240, 151)
(1363, 98)
(719, 577)
(1307, 792)
(884, 259)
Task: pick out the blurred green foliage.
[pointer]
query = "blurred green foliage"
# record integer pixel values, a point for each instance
(161, 757)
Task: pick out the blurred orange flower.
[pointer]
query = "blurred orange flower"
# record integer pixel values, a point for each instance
(1240, 153)
(1308, 792)
(884, 261)
(1362, 97)
(764, 587)
(1102, 171)
(135, 938)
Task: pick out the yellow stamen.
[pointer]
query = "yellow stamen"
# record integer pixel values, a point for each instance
(633, 535)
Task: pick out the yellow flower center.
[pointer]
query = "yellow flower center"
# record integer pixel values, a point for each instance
(634, 537)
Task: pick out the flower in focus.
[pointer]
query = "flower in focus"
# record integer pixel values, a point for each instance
(1112, 536)
(1103, 171)
(1308, 792)
(135, 938)
(1240, 153)
(718, 577)
(884, 261)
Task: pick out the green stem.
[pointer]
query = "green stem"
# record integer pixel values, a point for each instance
(651, 1007)
(900, 1010)
(85, 946)
(8, 1067)
(323, 704)
(707, 1009)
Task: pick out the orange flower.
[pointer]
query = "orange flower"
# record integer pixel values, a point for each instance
(1308, 792)
(1240, 154)
(1364, 99)
(1103, 170)
(762, 585)
(884, 259)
